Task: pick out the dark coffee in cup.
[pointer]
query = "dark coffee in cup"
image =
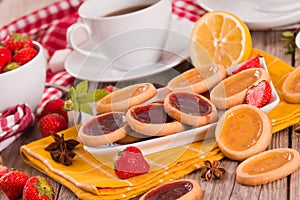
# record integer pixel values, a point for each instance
(127, 10)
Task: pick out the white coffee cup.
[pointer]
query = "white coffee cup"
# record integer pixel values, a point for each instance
(128, 40)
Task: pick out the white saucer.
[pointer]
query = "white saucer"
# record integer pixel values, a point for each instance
(255, 19)
(94, 69)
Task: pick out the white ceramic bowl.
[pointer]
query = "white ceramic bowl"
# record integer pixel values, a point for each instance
(24, 84)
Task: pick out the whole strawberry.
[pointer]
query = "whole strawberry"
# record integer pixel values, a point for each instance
(130, 163)
(259, 95)
(55, 106)
(5, 57)
(52, 123)
(12, 183)
(253, 62)
(24, 55)
(38, 188)
(17, 41)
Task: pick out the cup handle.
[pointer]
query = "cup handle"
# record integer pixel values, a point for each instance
(70, 39)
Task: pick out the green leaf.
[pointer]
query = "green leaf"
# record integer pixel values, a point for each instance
(82, 87)
(92, 96)
(288, 34)
(86, 108)
(72, 94)
(75, 106)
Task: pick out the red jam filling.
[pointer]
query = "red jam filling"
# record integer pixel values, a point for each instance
(170, 191)
(154, 114)
(190, 104)
(105, 124)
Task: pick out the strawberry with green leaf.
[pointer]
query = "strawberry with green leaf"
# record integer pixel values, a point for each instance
(130, 162)
(38, 188)
(17, 41)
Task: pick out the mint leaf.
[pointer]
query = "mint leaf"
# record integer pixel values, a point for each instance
(72, 94)
(86, 108)
(80, 97)
(92, 96)
(82, 87)
(75, 106)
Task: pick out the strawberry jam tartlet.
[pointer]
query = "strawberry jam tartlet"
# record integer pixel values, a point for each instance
(190, 108)
(103, 129)
(152, 120)
(184, 189)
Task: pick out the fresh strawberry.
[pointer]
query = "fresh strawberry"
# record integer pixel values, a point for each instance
(3, 170)
(24, 55)
(130, 163)
(5, 57)
(55, 106)
(12, 183)
(38, 188)
(109, 88)
(17, 41)
(259, 95)
(52, 123)
(253, 62)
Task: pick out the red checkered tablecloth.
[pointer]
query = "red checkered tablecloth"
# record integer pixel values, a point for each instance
(48, 26)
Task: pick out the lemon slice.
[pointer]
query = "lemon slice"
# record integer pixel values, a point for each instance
(219, 37)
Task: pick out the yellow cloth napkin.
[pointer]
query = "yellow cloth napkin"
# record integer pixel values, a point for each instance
(90, 179)
(284, 114)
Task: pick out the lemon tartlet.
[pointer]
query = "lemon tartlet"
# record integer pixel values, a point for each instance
(124, 98)
(232, 90)
(291, 87)
(198, 80)
(243, 131)
(268, 166)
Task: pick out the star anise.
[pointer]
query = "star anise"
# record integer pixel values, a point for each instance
(61, 149)
(212, 170)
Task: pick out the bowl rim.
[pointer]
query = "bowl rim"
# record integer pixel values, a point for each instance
(40, 50)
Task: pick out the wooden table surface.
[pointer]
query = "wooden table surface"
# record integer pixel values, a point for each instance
(226, 188)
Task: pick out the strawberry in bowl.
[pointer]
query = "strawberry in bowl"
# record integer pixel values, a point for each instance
(22, 73)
